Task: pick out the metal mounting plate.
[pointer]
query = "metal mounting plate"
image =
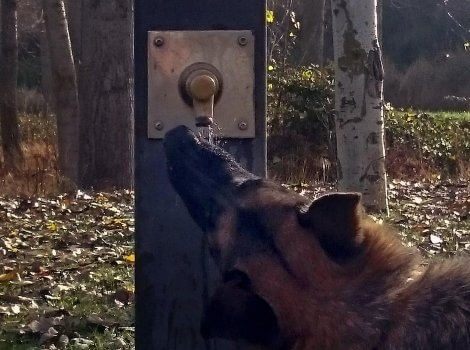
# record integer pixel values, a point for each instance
(231, 52)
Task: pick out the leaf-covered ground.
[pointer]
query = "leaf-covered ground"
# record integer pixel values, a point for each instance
(431, 216)
(66, 263)
(66, 272)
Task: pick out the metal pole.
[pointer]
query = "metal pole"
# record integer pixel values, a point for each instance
(174, 275)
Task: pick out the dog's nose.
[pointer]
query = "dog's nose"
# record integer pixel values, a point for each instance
(180, 137)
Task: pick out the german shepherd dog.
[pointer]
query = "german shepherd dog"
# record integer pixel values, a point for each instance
(304, 275)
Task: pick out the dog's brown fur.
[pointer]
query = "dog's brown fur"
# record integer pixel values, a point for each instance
(323, 276)
(372, 300)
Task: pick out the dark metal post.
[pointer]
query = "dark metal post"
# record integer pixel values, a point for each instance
(174, 276)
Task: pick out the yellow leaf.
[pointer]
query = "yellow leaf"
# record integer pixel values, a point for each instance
(10, 276)
(307, 74)
(52, 226)
(130, 288)
(130, 258)
(270, 67)
(101, 198)
(270, 16)
(9, 245)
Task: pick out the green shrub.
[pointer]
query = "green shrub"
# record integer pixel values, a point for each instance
(438, 141)
(300, 105)
(301, 142)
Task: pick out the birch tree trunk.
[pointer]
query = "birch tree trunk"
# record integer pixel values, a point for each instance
(64, 84)
(12, 153)
(359, 101)
(106, 94)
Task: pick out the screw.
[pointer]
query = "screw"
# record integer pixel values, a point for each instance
(159, 41)
(242, 40)
(242, 125)
(159, 126)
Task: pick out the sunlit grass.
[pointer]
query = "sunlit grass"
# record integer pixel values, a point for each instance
(464, 115)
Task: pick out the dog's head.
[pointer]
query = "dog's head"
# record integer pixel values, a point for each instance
(274, 248)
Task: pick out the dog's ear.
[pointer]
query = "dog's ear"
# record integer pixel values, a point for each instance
(236, 313)
(336, 221)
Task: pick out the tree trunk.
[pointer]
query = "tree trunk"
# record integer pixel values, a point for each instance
(380, 21)
(46, 69)
(64, 86)
(12, 153)
(359, 101)
(310, 42)
(74, 18)
(328, 55)
(106, 94)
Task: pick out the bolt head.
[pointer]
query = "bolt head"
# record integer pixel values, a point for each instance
(242, 40)
(159, 41)
(242, 125)
(159, 126)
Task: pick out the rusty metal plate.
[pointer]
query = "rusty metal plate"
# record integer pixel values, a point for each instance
(230, 52)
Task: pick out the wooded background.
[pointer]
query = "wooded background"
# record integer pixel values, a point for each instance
(66, 83)
(66, 128)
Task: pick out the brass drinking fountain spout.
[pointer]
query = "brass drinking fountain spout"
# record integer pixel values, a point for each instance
(201, 85)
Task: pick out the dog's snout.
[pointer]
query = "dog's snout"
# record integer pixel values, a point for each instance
(179, 138)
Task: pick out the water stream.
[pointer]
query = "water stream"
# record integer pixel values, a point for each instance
(208, 133)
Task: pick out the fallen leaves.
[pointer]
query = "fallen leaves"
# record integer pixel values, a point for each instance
(66, 273)
(129, 258)
(432, 216)
(435, 239)
(67, 262)
(122, 296)
(9, 276)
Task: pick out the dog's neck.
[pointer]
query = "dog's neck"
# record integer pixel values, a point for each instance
(366, 297)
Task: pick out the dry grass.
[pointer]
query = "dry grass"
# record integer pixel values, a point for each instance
(403, 163)
(38, 174)
(420, 146)
(297, 169)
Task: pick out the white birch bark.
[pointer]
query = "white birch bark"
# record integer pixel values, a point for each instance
(359, 101)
